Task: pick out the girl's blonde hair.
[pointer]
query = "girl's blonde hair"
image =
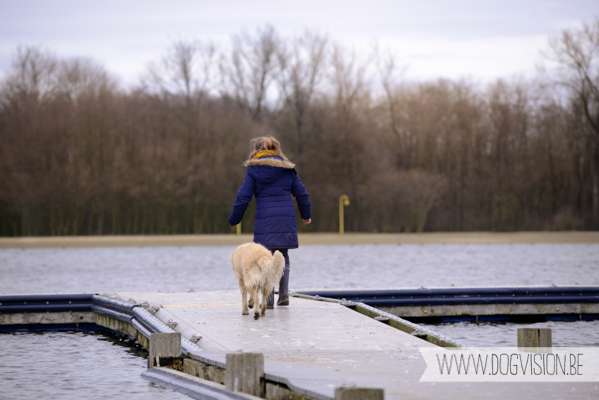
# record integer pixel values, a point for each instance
(265, 143)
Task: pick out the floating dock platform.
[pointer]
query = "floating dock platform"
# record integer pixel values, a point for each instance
(311, 348)
(474, 304)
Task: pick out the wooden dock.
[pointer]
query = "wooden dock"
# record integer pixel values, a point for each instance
(474, 304)
(314, 347)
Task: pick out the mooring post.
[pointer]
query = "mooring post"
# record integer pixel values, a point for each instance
(357, 393)
(245, 373)
(164, 348)
(530, 339)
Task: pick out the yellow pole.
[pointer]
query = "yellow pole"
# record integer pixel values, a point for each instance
(238, 226)
(343, 201)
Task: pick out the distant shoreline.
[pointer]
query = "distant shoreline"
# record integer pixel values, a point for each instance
(304, 239)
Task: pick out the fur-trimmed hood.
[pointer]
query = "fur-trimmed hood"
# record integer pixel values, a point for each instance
(261, 169)
(271, 161)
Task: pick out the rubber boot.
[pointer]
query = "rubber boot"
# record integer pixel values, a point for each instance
(284, 283)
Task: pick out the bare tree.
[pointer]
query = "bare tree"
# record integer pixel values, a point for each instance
(185, 75)
(389, 72)
(350, 128)
(83, 77)
(34, 76)
(186, 70)
(576, 53)
(348, 78)
(301, 71)
(250, 70)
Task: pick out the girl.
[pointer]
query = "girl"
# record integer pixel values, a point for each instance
(272, 178)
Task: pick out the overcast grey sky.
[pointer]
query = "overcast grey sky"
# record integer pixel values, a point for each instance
(482, 40)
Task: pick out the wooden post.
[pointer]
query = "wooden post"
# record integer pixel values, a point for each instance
(164, 348)
(357, 393)
(343, 201)
(245, 373)
(530, 339)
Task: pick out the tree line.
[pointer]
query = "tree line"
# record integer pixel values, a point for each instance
(79, 155)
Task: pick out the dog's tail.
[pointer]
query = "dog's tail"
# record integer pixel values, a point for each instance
(277, 266)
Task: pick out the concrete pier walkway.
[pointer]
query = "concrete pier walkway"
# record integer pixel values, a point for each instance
(318, 346)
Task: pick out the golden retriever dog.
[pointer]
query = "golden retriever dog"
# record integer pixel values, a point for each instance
(257, 271)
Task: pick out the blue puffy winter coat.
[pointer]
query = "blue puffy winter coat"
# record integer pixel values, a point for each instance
(272, 180)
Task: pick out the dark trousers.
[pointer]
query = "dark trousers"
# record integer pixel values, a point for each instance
(284, 283)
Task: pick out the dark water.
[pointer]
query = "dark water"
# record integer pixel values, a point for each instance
(179, 269)
(495, 334)
(61, 365)
(92, 366)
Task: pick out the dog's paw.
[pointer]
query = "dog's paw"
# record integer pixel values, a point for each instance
(245, 313)
(250, 305)
(256, 316)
